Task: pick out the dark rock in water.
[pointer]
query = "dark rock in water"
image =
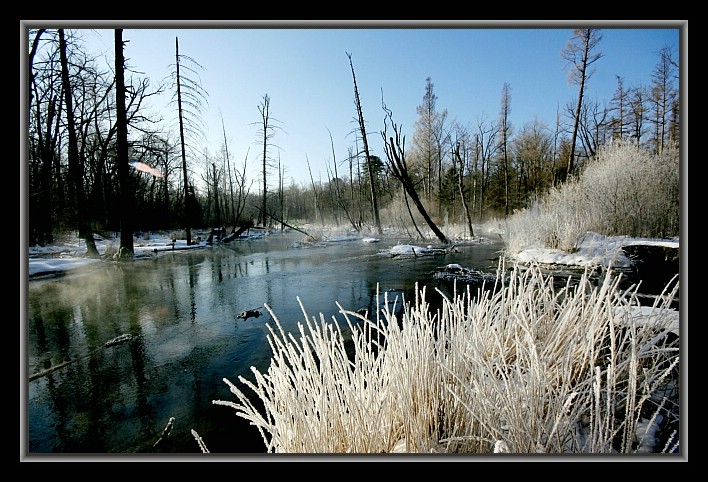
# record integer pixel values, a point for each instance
(246, 314)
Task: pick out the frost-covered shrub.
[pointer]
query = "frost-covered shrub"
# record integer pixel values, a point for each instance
(627, 190)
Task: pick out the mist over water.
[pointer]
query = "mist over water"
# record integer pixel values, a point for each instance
(181, 310)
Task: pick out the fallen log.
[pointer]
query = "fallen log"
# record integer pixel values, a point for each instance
(283, 222)
(115, 341)
(235, 233)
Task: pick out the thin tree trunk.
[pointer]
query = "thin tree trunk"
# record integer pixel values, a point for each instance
(314, 191)
(217, 208)
(228, 170)
(281, 194)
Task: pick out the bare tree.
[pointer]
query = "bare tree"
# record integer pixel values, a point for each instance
(267, 132)
(32, 53)
(314, 192)
(664, 97)
(592, 128)
(485, 149)
(217, 207)
(461, 183)
(394, 146)
(619, 106)
(281, 194)
(190, 96)
(242, 190)
(637, 114)
(76, 175)
(126, 226)
(338, 190)
(580, 54)
(42, 147)
(230, 178)
(264, 109)
(505, 130)
(352, 202)
(369, 163)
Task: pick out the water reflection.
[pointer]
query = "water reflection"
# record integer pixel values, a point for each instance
(181, 309)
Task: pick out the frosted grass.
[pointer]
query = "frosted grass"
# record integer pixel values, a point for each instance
(518, 367)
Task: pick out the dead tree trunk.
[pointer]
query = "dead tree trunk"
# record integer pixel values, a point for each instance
(369, 164)
(187, 217)
(395, 154)
(410, 214)
(76, 175)
(461, 187)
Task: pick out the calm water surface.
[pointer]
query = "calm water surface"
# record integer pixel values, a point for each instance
(181, 309)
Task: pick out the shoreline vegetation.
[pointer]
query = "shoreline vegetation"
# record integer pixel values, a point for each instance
(522, 367)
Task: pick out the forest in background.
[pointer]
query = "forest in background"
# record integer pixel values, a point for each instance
(82, 136)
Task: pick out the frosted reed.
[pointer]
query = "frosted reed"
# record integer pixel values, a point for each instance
(520, 367)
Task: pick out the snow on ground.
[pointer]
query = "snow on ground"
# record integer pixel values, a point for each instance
(71, 252)
(593, 250)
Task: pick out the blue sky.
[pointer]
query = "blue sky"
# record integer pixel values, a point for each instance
(305, 72)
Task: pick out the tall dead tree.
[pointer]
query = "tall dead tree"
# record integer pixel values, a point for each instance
(232, 209)
(217, 208)
(579, 53)
(265, 115)
(190, 96)
(356, 211)
(266, 131)
(281, 194)
(180, 113)
(504, 129)
(76, 174)
(369, 164)
(126, 194)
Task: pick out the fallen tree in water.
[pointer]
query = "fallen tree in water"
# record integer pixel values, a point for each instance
(283, 222)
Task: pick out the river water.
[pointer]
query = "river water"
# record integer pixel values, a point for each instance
(180, 312)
